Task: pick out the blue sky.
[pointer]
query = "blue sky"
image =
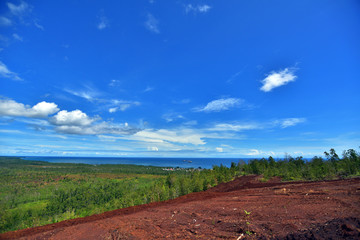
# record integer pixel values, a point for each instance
(165, 78)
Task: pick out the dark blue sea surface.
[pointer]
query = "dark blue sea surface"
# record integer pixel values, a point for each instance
(160, 162)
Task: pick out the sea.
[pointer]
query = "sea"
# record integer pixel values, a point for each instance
(207, 163)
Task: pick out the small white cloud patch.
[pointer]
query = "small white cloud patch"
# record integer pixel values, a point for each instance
(221, 105)
(289, 122)
(219, 149)
(156, 149)
(277, 79)
(152, 24)
(199, 8)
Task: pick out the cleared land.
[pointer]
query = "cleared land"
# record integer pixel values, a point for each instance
(242, 209)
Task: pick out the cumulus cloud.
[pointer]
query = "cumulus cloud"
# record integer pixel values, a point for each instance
(198, 8)
(289, 122)
(6, 73)
(221, 105)
(277, 79)
(40, 110)
(152, 24)
(73, 118)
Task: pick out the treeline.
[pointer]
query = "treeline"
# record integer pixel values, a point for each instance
(297, 168)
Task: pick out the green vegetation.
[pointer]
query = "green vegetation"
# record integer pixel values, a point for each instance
(298, 169)
(34, 193)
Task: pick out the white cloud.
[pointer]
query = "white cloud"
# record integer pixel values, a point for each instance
(103, 23)
(97, 129)
(6, 73)
(170, 117)
(38, 26)
(156, 149)
(219, 149)
(40, 110)
(122, 105)
(221, 105)
(289, 122)
(277, 79)
(152, 24)
(199, 8)
(17, 37)
(5, 21)
(19, 10)
(186, 136)
(73, 118)
(234, 127)
(114, 83)
(149, 89)
(89, 94)
(253, 152)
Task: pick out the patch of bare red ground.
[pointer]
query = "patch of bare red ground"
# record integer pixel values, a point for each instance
(278, 210)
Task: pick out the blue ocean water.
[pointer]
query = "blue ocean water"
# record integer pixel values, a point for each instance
(159, 162)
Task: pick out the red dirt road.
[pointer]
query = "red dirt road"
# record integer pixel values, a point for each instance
(278, 210)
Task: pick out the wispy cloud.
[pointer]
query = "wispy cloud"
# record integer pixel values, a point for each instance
(19, 10)
(221, 105)
(170, 117)
(289, 122)
(152, 24)
(36, 24)
(236, 127)
(186, 136)
(6, 73)
(98, 129)
(17, 37)
(149, 89)
(121, 105)
(114, 83)
(103, 21)
(277, 79)
(41, 110)
(4, 21)
(198, 8)
(88, 93)
(182, 101)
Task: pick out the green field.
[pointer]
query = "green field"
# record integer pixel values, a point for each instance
(34, 193)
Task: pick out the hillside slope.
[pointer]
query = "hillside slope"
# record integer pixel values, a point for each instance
(242, 209)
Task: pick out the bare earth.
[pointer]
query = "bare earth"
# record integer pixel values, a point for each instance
(278, 210)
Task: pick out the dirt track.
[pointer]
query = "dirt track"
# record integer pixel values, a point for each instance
(296, 210)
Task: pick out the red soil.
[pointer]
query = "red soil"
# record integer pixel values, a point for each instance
(279, 210)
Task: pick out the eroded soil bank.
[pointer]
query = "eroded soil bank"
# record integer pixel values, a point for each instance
(242, 209)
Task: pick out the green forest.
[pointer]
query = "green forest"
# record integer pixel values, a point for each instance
(35, 193)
